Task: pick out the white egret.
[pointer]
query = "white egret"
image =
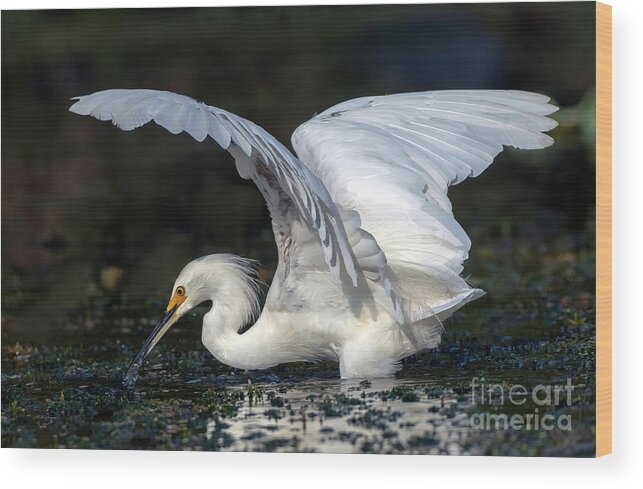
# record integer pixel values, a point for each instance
(370, 254)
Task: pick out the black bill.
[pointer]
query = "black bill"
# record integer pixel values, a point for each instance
(157, 333)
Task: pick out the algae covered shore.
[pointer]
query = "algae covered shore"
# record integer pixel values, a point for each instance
(71, 397)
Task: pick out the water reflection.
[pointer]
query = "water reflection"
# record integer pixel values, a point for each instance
(348, 417)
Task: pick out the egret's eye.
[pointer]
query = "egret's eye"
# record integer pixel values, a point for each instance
(180, 291)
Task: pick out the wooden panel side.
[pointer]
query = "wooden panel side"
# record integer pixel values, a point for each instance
(603, 229)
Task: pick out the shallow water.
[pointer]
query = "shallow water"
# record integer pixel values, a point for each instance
(71, 397)
(338, 417)
(536, 326)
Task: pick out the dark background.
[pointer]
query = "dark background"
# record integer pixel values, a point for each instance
(96, 223)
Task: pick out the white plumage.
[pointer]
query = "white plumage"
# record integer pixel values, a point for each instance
(370, 253)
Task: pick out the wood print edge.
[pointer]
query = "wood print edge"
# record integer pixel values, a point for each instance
(603, 229)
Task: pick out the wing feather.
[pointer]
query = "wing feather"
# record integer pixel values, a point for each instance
(261, 157)
(392, 158)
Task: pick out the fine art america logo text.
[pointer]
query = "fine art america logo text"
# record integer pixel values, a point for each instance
(512, 397)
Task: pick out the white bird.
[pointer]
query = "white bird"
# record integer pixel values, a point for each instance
(370, 254)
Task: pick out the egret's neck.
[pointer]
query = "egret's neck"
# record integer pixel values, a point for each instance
(221, 337)
(234, 305)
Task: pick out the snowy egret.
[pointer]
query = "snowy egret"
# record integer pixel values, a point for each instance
(370, 254)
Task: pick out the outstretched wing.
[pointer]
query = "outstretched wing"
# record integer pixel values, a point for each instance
(290, 189)
(392, 159)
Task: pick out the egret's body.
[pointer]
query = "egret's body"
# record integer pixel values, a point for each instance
(296, 324)
(370, 254)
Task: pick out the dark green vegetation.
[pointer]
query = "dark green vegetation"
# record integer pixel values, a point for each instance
(97, 224)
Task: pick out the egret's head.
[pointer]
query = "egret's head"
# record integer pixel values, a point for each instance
(198, 282)
(220, 277)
